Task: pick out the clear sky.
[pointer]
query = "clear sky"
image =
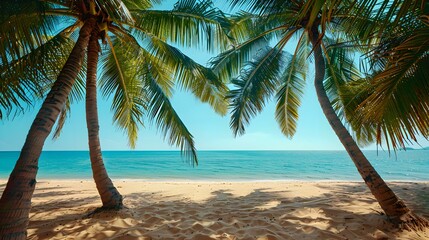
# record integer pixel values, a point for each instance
(211, 131)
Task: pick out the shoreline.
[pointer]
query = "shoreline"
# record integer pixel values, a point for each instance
(173, 180)
(220, 210)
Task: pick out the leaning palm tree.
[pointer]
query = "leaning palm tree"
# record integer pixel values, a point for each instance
(139, 69)
(262, 71)
(15, 202)
(110, 196)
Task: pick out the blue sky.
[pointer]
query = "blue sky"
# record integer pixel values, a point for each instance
(211, 131)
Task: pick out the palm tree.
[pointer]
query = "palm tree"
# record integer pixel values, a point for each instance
(139, 69)
(110, 196)
(15, 202)
(263, 71)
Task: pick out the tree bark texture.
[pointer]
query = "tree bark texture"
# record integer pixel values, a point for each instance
(109, 194)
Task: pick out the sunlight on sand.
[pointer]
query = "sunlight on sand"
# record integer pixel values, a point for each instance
(219, 210)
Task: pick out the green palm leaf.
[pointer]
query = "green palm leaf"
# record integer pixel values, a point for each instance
(241, 26)
(155, 87)
(352, 96)
(201, 81)
(265, 7)
(403, 116)
(64, 114)
(120, 77)
(166, 118)
(340, 69)
(117, 10)
(190, 23)
(28, 76)
(292, 88)
(387, 108)
(23, 27)
(404, 65)
(139, 4)
(254, 86)
(388, 12)
(398, 66)
(229, 63)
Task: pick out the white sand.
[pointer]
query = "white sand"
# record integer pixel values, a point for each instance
(220, 210)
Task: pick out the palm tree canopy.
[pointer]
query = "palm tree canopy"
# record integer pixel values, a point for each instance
(25, 44)
(139, 65)
(260, 67)
(392, 102)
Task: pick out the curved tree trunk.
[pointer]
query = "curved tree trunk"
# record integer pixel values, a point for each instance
(15, 203)
(394, 207)
(109, 194)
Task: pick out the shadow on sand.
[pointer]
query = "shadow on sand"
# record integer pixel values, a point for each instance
(261, 214)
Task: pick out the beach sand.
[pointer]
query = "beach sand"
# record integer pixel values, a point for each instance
(219, 210)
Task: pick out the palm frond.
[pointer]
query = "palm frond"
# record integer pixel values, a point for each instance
(167, 120)
(292, 88)
(229, 63)
(120, 78)
(399, 106)
(382, 107)
(23, 27)
(117, 10)
(360, 26)
(155, 84)
(77, 92)
(242, 26)
(352, 95)
(134, 5)
(64, 114)
(395, 116)
(191, 23)
(28, 76)
(311, 10)
(340, 69)
(201, 81)
(388, 12)
(266, 7)
(403, 64)
(256, 83)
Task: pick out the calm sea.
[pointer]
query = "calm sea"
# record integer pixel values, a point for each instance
(227, 165)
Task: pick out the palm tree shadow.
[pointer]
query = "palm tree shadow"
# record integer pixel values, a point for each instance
(223, 215)
(414, 194)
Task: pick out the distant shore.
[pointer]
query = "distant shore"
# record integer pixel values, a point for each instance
(220, 210)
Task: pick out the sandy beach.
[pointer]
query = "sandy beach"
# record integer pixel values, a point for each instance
(219, 210)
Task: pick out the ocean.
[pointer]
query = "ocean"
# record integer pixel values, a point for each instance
(227, 165)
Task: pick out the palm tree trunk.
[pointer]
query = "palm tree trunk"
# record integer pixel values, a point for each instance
(395, 208)
(109, 194)
(15, 203)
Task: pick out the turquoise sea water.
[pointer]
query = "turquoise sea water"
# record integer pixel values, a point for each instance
(227, 165)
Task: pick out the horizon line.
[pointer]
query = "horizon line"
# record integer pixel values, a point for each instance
(206, 150)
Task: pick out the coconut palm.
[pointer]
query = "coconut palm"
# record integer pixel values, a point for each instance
(110, 196)
(263, 71)
(139, 70)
